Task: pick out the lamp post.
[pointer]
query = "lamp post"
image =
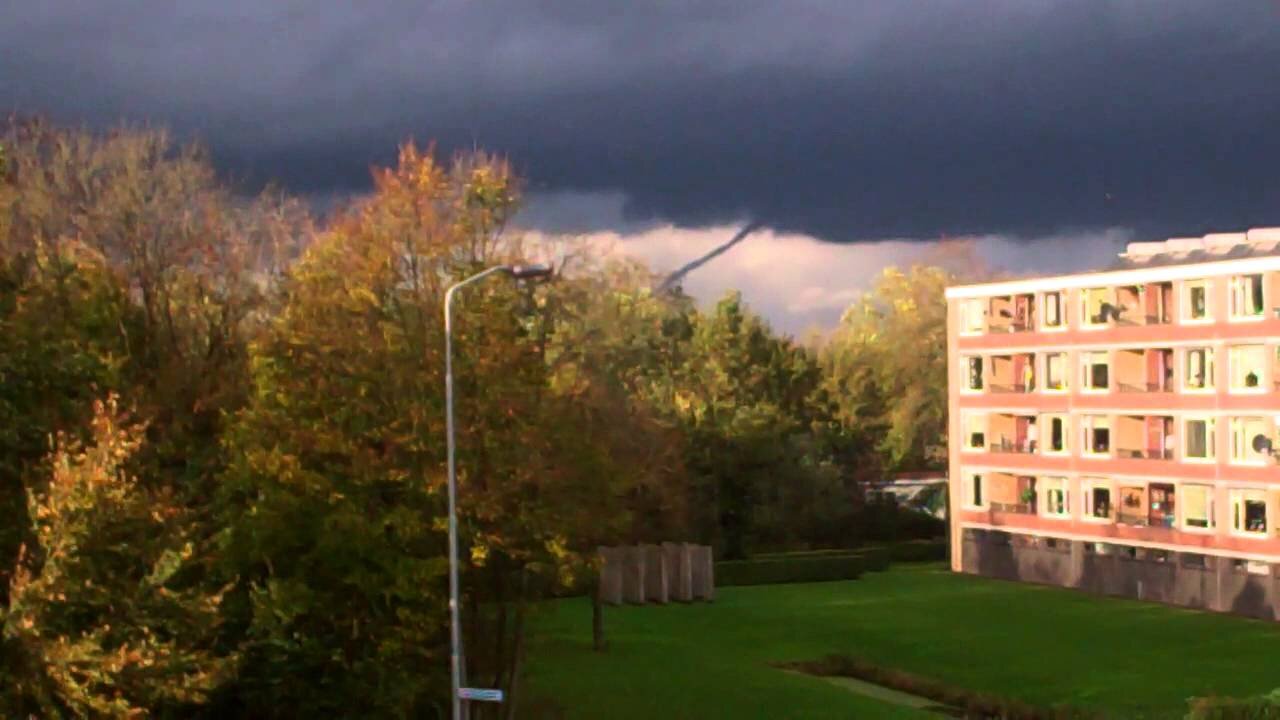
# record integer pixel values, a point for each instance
(516, 272)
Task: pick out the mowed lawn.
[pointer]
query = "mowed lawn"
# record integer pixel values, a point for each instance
(1043, 645)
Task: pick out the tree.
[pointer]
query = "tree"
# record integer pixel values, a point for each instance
(110, 625)
(124, 266)
(887, 365)
(334, 502)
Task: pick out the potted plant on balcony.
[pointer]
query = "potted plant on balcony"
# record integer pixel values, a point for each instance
(1028, 496)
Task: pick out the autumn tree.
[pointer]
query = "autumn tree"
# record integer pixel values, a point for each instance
(887, 365)
(110, 624)
(124, 266)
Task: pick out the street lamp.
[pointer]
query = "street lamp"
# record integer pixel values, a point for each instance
(516, 272)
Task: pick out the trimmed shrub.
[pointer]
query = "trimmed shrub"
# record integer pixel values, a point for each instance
(877, 559)
(776, 571)
(916, 551)
(1265, 707)
(969, 703)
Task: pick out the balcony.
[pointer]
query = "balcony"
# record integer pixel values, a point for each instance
(1013, 373)
(1144, 437)
(1144, 370)
(1012, 494)
(1151, 506)
(1012, 314)
(1012, 433)
(1139, 305)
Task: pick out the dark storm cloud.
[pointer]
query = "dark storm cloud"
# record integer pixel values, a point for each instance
(844, 120)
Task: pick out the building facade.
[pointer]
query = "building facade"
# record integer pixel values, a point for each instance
(1117, 431)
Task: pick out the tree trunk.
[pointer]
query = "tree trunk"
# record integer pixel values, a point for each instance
(597, 621)
(517, 649)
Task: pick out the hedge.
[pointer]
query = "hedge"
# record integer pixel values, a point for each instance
(958, 701)
(1266, 707)
(771, 571)
(917, 551)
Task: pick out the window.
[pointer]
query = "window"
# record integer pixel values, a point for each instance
(1243, 432)
(1247, 363)
(1055, 371)
(1053, 310)
(1096, 367)
(1196, 301)
(1054, 498)
(1198, 363)
(1055, 433)
(975, 495)
(1249, 512)
(1257, 567)
(1097, 499)
(1097, 434)
(973, 373)
(1199, 444)
(1194, 561)
(1162, 510)
(1095, 307)
(972, 316)
(975, 431)
(1197, 507)
(1246, 296)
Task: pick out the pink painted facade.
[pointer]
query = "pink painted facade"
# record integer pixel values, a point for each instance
(1131, 407)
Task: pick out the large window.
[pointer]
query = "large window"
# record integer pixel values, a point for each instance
(1097, 499)
(1199, 439)
(975, 431)
(972, 367)
(1249, 512)
(1096, 369)
(1247, 364)
(1195, 305)
(1055, 433)
(1053, 311)
(1243, 432)
(1055, 371)
(1097, 434)
(973, 316)
(1246, 297)
(1198, 369)
(1197, 507)
(1054, 501)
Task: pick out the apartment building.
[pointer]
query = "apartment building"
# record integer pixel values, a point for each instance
(1117, 431)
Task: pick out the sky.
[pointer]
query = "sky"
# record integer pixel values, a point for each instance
(856, 132)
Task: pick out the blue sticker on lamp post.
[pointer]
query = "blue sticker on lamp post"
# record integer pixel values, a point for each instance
(481, 694)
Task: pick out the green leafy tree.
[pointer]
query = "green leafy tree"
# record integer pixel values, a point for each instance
(887, 364)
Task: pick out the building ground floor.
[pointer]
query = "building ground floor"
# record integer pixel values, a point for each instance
(1191, 579)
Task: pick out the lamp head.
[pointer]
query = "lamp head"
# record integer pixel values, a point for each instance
(529, 272)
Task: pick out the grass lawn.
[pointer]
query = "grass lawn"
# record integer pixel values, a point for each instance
(1043, 645)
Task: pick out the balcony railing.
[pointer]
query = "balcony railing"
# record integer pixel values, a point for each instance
(1015, 508)
(1005, 445)
(1162, 454)
(1144, 520)
(1009, 389)
(1012, 327)
(1149, 387)
(1134, 519)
